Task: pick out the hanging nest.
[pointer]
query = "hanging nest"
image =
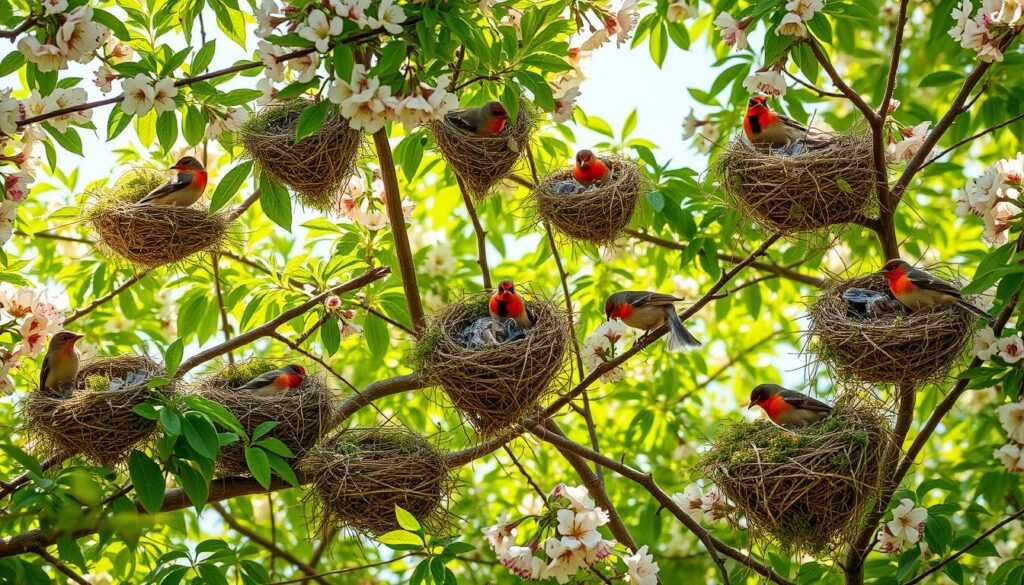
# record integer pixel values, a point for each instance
(908, 349)
(483, 161)
(317, 167)
(797, 193)
(358, 476)
(498, 385)
(808, 490)
(151, 235)
(303, 415)
(96, 421)
(594, 214)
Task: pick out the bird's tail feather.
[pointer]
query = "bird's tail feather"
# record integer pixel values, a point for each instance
(679, 339)
(976, 310)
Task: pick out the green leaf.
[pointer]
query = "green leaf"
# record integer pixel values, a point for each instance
(11, 63)
(402, 538)
(193, 125)
(167, 130)
(406, 520)
(170, 420)
(275, 203)
(200, 435)
(330, 335)
(458, 548)
(419, 574)
(377, 338)
(940, 78)
(311, 120)
(68, 140)
(658, 44)
(629, 125)
(344, 61)
(173, 354)
(110, 21)
(148, 480)
(203, 57)
(68, 550)
(540, 89)
(274, 445)
(263, 428)
(230, 185)
(30, 463)
(283, 470)
(258, 463)
(215, 411)
(196, 487)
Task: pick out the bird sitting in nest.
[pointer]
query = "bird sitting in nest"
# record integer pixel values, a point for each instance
(184, 189)
(764, 127)
(275, 381)
(486, 120)
(788, 408)
(591, 169)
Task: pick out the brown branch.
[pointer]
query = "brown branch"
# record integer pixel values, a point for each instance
(225, 324)
(12, 486)
(378, 389)
(481, 235)
(12, 34)
(969, 546)
(814, 88)
(244, 205)
(110, 295)
(60, 566)
(972, 138)
(894, 62)
(838, 81)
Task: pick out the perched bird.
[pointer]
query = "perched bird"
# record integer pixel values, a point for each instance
(60, 365)
(507, 304)
(275, 381)
(591, 169)
(787, 408)
(763, 126)
(184, 189)
(648, 311)
(918, 289)
(488, 119)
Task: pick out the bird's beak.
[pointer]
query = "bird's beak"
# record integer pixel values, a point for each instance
(751, 405)
(77, 337)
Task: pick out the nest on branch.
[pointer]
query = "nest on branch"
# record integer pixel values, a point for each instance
(498, 385)
(303, 415)
(97, 419)
(151, 235)
(358, 476)
(802, 192)
(317, 167)
(805, 490)
(905, 349)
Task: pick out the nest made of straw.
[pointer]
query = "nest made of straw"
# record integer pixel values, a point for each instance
(496, 386)
(97, 422)
(358, 476)
(318, 166)
(803, 192)
(303, 416)
(909, 349)
(805, 490)
(151, 235)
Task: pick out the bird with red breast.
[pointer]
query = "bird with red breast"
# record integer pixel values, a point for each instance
(184, 189)
(506, 304)
(647, 311)
(276, 381)
(486, 120)
(917, 289)
(788, 408)
(591, 169)
(766, 127)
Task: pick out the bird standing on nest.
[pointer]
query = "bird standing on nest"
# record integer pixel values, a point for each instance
(648, 311)
(276, 381)
(763, 126)
(60, 364)
(506, 304)
(591, 169)
(184, 189)
(488, 119)
(788, 408)
(918, 289)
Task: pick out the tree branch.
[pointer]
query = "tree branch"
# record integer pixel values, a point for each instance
(110, 295)
(60, 566)
(969, 546)
(894, 63)
(837, 80)
(481, 234)
(12, 34)
(972, 138)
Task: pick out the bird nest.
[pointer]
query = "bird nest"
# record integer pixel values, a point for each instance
(496, 386)
(803, 192)
(96, 421)
(905, 349)
(303, 415)
(151, 235)
(595, 214)
(806, 490)
(358, 476)
(317, 167)
(483, 161)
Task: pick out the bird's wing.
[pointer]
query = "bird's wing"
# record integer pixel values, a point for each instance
(931, 282)
(176, 184)
(804, 402)
(261, 380)
(641, 299)
(458, 118)
(44, 373)
(793, 123)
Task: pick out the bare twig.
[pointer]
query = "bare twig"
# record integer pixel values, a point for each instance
(972, 138)
(60, 566)
(78, 314)
(224, 323)
(837, 80)
(938, 567)
(481, 234)
(12, 34)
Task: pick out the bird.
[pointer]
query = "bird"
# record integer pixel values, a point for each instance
(591, 169)
(788, 408)
(506, 304)
(917, 289)
(184, 189)
(60, 364)
(276, 381)
(488, 119)
(763, 126)
(650, 310)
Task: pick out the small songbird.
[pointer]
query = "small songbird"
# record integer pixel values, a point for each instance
(60, 365)
(184, 189)
(488, 119)
(788, 408)
(763, 126)
(275, 381)
(918, 289)
(507, 304)
(591, 169)
(650, 310)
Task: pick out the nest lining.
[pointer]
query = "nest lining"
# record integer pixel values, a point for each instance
(913, 349)
(318, 167)
(100, 425)
(815, 189)
(496, 386)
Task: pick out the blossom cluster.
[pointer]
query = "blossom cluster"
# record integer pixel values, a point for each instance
(1011, 455)
(345, 317)
(986, 31)
(36, 319)
(71, 36)
(142, 94)
(905, 529)
(599, 347)
(368, 105)
(709, 133)
(994, 197)
(365, 205)
(798, 12)
(699, 504)
(17, 156)
(1010, 348)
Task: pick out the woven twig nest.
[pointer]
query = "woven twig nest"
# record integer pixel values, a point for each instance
(594, 214)
(807, 490)
(358, 476)
(498, 385)
(95, 421)
(317, 167)
(790, 194)
(151, 235)
(303, 416)
(907, 349)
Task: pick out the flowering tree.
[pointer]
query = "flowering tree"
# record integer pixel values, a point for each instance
(600, 483)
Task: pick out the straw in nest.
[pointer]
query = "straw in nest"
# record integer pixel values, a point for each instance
(496, 386)
(912, 349)
(303, 415)
(151, 235)
(318, 166)
(597, 213)
(803, 192)
(97, 422)
(357, 477)
(807, 490)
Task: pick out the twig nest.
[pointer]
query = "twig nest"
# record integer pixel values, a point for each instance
(805, 490)
(793, 193)
(303, 415)
(495, 386)
(97, 420)
(891, 348)
(317, 167)
(151, 235)
(358, 476)
(593, 214)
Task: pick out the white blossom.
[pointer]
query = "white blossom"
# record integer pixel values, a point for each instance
(913, 139)
(1011, 416)
(805, 9)
(17, 185)
(390, 17)
(272, 68)
(907, 524)
(641, 568)
(501, 536)
(164, 91)
(62, 98)
(520, 560)
(961, 14)
(791, 25)
(565, 561)
(55, 6)
(305, 67)
(266, 18)
(79, 37)
(439, 261)
(10, 113)
(47, 57)
(985, 344)
(8, 215)
(691, 500)
(105, 77)
(319, 29)
(768, 82)
(1011, 457)
(734, 33)
(1011, 349)
(138, 95)
(681, 10)
(578, 496)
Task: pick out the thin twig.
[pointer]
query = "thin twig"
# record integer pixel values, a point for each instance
(110, 295)
(60, 566)
(969, 546)
(12, 34)
(481, 235)
(225, 325)
(972, 138)
(814, 88)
